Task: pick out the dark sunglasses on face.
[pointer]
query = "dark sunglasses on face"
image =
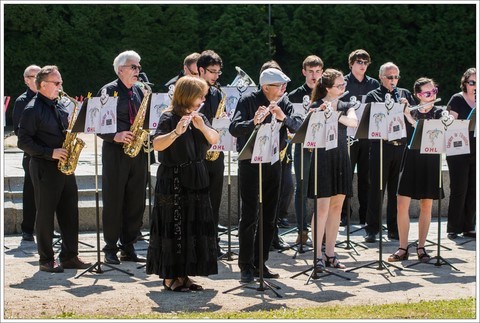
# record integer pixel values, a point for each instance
(471, 83)
(391, 77)
(362, 62)
(428, 94)
(134, 67)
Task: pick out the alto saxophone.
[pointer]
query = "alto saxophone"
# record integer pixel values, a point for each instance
(140, 135)
(72, 144)
(213, 155)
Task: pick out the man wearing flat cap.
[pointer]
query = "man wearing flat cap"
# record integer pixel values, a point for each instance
(252, 110)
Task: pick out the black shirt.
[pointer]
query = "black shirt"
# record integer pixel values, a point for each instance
(298, 95)
(242, 124)
(42, 127)
(210, 106)
(123, 108)
(357, 88)
(20, 104)
(378, 95)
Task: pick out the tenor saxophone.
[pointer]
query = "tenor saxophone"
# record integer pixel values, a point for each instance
(72, 144)
(213, 155)
(140, 135)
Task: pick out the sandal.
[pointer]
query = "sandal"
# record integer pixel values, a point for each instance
(319, 266)
(175, 286)
(424, 256)
(333, 262)
(397, 257)
(191, 285)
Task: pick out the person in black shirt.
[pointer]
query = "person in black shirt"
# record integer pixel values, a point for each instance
(358, 85)
(209, 65)
(462, 168)
(389, 75)
(123, 177)
(41, 134)
(312, 69)
(28, 197)
(252, 110)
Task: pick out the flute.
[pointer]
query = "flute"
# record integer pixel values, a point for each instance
(423, 105)
(264, 112)
(329, 103)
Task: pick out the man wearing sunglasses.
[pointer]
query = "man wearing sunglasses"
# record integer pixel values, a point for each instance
(123, 177)
(389, 76)
(41, 134)
(209, 66)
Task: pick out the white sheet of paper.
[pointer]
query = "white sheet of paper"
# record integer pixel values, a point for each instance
(262, 147)
(432, 137)
(457, 141)
(233, 96)
(331, 132)
(158, 104)
(101, 115)
(396, 123)
(275, 142)
(358, 112)
(377, 127)
(315, 136)
(226, 139)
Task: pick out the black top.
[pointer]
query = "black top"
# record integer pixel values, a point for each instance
(357, 88)
(242, 124)
(123, 108)
(210, 106)
(42, 127)
(458, 104)
(378, 95)
(174, 79)
(301, 94)
(20, 104)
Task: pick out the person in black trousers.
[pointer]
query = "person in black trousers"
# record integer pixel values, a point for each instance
(252, 110)
(358, 85)
(389, 75)
(41, 135)
(28, 196)
(462, 168)
(209, 65)
(123, 177)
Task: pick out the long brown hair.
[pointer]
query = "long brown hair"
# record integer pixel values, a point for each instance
(326, 81)
(187, 89)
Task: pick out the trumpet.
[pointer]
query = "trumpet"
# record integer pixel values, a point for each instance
(423, 105)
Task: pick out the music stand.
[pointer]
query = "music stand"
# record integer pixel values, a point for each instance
(362, 132)
(97, 266)
(416, 141)
(246, 153)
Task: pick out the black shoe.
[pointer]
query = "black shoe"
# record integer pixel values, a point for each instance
(343, 222)
(370, 237)
(75, 263)
(470, 235)
(452, 236)
(221, 228)
(266, 273)
(131, 256)
(246, 275)
(283, 223)
(27, 236)
(111, 258)
(51, 267)
(279, 244)
(393, 235)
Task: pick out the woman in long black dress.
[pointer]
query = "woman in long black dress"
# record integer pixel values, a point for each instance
(182, 234)
(334, 176)
(419, 175)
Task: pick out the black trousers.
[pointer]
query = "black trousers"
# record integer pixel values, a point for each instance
(28, 198)
(286, 193)
(359, 157)
(392, 159)
(247, 230)
(55, 192)
(461, 207)
(215, 173)
(123, 196)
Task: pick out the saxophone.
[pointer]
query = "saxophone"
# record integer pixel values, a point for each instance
(71, 143)
(140, 135)
(213, 155)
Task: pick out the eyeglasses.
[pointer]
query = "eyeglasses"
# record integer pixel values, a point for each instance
(57, 83)
(134, 67)
(362, 62)
(428, 94)
(471, 83)
(192, 72)
(340, 86)
(214, 72)
(391, 77)
(30, 76)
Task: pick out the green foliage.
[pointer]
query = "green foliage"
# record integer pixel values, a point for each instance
(433, 40)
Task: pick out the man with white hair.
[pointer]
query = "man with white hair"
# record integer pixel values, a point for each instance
(123, 177)
(254, 109)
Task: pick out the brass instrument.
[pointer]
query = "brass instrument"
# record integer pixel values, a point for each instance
(213, 155)
(242, 80)
(140, 135)
(72, 144)
(283, 152)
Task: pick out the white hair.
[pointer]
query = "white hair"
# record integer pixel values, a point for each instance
(123, 57)
(29, 68)
(387, 66)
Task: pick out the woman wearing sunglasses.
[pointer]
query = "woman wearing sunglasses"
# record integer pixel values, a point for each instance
(461, 208)
(419, 175)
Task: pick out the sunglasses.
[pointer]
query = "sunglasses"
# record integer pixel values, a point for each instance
(362, 62)
(471, 83)
(57, 83)
(134, 67)
(428, 94)
(391, 77)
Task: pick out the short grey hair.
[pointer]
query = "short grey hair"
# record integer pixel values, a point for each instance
(123, 57)
(29, 68)
(387, 66)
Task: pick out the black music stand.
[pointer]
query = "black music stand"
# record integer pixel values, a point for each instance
(246, 153)
(415, 144)
(299, 137)
(97, 266)
(362, 132)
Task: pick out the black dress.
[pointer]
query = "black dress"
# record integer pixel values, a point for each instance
(182, 233)
(334, 175)
(419, 174)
